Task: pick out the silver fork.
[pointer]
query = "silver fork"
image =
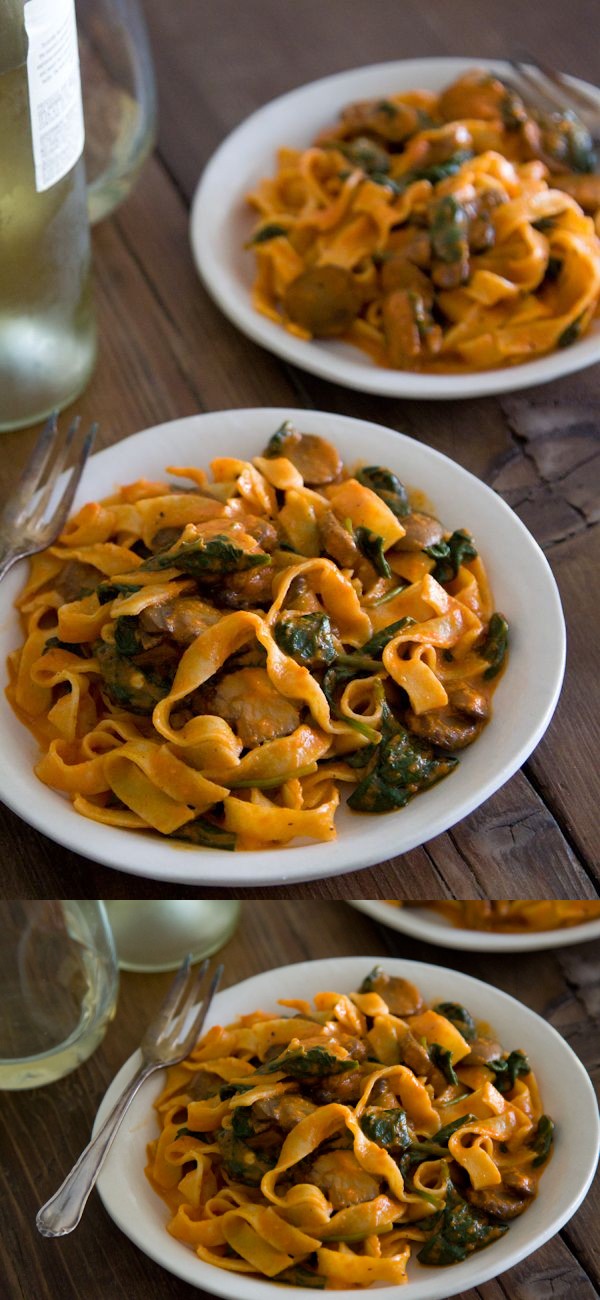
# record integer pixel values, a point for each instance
(552, 91)
(168, 1039)
(25, 526)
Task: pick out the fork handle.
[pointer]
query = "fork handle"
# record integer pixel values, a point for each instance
(62, 1212)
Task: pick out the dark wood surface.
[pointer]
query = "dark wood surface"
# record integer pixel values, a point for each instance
(166, 351)
(43, 1131)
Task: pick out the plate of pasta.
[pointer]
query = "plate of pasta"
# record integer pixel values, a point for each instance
(344, 1126)
(412, 229)
(483, 925)
(275, 648)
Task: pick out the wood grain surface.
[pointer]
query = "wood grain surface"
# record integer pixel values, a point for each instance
(42, 1131)
(166, 351)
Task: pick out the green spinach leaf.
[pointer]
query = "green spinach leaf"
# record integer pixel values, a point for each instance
(450, 554)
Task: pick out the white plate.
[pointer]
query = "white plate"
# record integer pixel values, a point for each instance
(567, 1092)
(222, 221)
(432, 927)
(524, 701)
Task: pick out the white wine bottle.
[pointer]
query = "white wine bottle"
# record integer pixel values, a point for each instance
(47, 329)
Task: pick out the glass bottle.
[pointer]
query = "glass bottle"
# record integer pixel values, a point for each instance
(47, 330)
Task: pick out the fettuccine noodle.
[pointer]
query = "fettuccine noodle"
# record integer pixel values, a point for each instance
(214, 663)
(436, 232)
(513, 915)
(321, 1148)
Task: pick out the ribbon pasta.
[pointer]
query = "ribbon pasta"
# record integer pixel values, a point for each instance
(516, 915)
(212, 665)
(315, 1149)
(456, 232)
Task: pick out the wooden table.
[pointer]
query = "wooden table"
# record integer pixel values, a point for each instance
(43, 1131)
(166, 351)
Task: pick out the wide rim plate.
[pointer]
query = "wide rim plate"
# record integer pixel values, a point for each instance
(431, 927)
(524, 700)
(221, 223)
(566, 1089)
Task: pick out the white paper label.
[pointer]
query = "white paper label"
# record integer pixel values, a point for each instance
(54, 89)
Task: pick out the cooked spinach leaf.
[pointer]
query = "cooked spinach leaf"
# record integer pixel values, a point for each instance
(74, 647)
(388, 1128)
(206, 833)
(306, 637)
(309, 1062)
(437, 1147)
(371, 546)
(207, 557)
(542, 1141)
(571, 333)
(386, 485)
(450, 554)
(275, 445)
(508, 1069)
(442, 1058)
(459, 1017)
(449, 225)
(242, 1162)
(107, 591)
(193, 1133)
(297, 1276)
(270, 231)
(402, 766)
(458, 1231)
(495, 645)
(127, 638)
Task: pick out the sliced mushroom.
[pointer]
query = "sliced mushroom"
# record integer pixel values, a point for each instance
(249, 702)
(402, 997)
(343, 1180)
(399, 273)
(245, 590)
(403, 340)
(468, 700)
(183, 618)
(444, 728)
(324, 300)
(337, 541)
(286, 1110)
(421, 530)
(415, 1056)
(502, 1202)
(76, 579)
(483, 1050)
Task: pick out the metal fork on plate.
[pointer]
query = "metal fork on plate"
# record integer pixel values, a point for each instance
(25, 524)
(552, 91)
(169, 1039)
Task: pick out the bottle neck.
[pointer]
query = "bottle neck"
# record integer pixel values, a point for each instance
(13, 45)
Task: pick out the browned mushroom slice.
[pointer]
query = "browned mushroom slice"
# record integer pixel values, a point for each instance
(503, 1202)
(316, 459)
(444, 728)
(400, 273)
(482, 1051)
(584, 187)
(415, 1056)
(402, 997)
(337, 541)
(477, 94)
(343, 1180)
(286, 1111)
(245, 590)
(387, 119)
(183, 618)
(401, 330)
(325, 300)
(251, 704)
(421, 531)
(76, 579)
(467, 699)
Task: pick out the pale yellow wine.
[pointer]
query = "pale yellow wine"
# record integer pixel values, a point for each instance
(47, 334)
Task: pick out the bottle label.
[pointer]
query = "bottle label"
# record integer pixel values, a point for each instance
(55, 105)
